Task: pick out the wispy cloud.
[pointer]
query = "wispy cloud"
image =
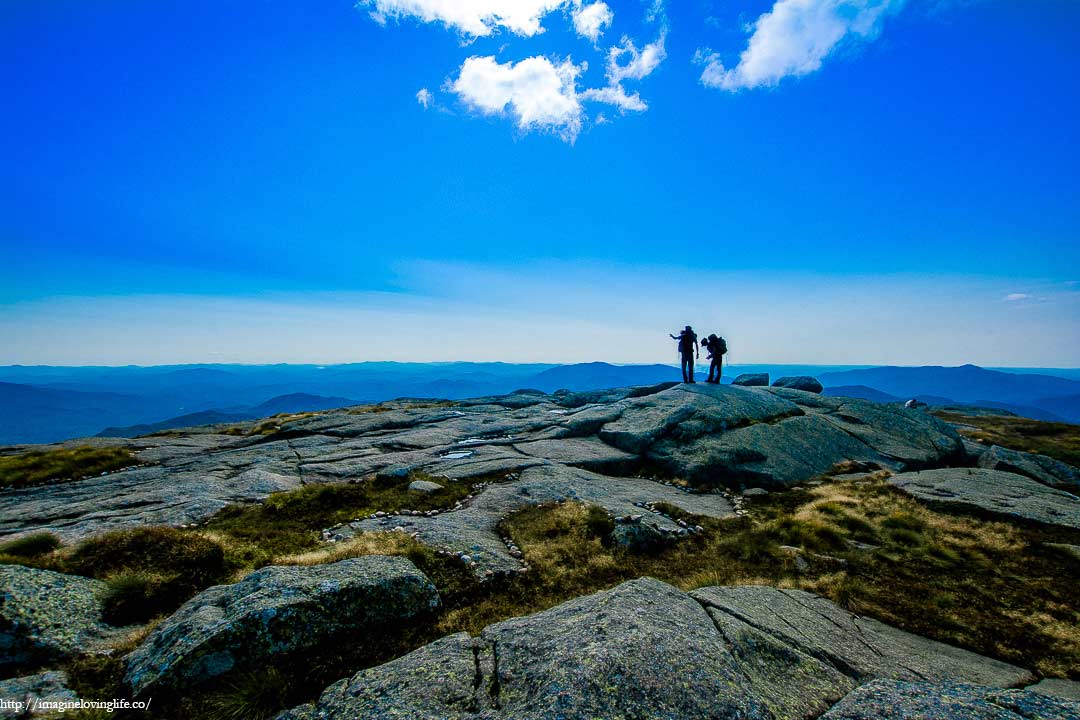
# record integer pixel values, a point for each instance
(793, 39)
(424, 97)
(1016, 297)
(638, 65)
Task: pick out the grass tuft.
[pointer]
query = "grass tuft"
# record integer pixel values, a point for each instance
(39, 467)
(30, 546)
(149, 570)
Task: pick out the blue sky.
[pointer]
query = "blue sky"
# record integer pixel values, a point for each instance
(833, 181)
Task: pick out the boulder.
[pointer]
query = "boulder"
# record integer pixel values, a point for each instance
(905, 700)
(752, 380)
(800, 382)
(33, 690)
(425, 486)
(277, 611)
(1045, 469)
(993, 492)
(47, 616)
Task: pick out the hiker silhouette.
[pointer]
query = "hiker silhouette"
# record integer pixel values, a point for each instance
(716, 346)
(688, 348)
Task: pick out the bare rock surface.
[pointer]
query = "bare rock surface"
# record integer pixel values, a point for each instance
(862, 647)
(1058, 687)
(905, 700)
(647, 650)
(47, 616)
(995, 492)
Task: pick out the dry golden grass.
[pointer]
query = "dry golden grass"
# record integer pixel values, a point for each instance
(368, 543)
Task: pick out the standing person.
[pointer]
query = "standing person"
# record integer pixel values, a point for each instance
(716, 346)
(688, 348)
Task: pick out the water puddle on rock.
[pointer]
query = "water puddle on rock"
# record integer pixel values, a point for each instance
(456, 455)
(482, 440)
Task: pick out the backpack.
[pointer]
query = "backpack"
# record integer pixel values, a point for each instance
(721, 346)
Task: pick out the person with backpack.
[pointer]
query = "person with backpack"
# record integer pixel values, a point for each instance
(688, 348)
(717, 347)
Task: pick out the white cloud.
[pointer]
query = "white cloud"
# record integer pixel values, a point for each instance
(590, 20)
(540, 94)
(793, 39)
(472, 17)
(1016, 297)
(640, 64)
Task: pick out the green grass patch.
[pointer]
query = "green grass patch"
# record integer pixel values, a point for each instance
(38, 467)
(1057, 440)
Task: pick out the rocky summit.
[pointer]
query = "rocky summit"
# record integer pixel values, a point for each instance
(497, 558)
(708, 435)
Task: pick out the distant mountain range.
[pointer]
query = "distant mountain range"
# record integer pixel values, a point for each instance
(295, 402)
(47, 404)
(1043, 397)
(869, 393)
